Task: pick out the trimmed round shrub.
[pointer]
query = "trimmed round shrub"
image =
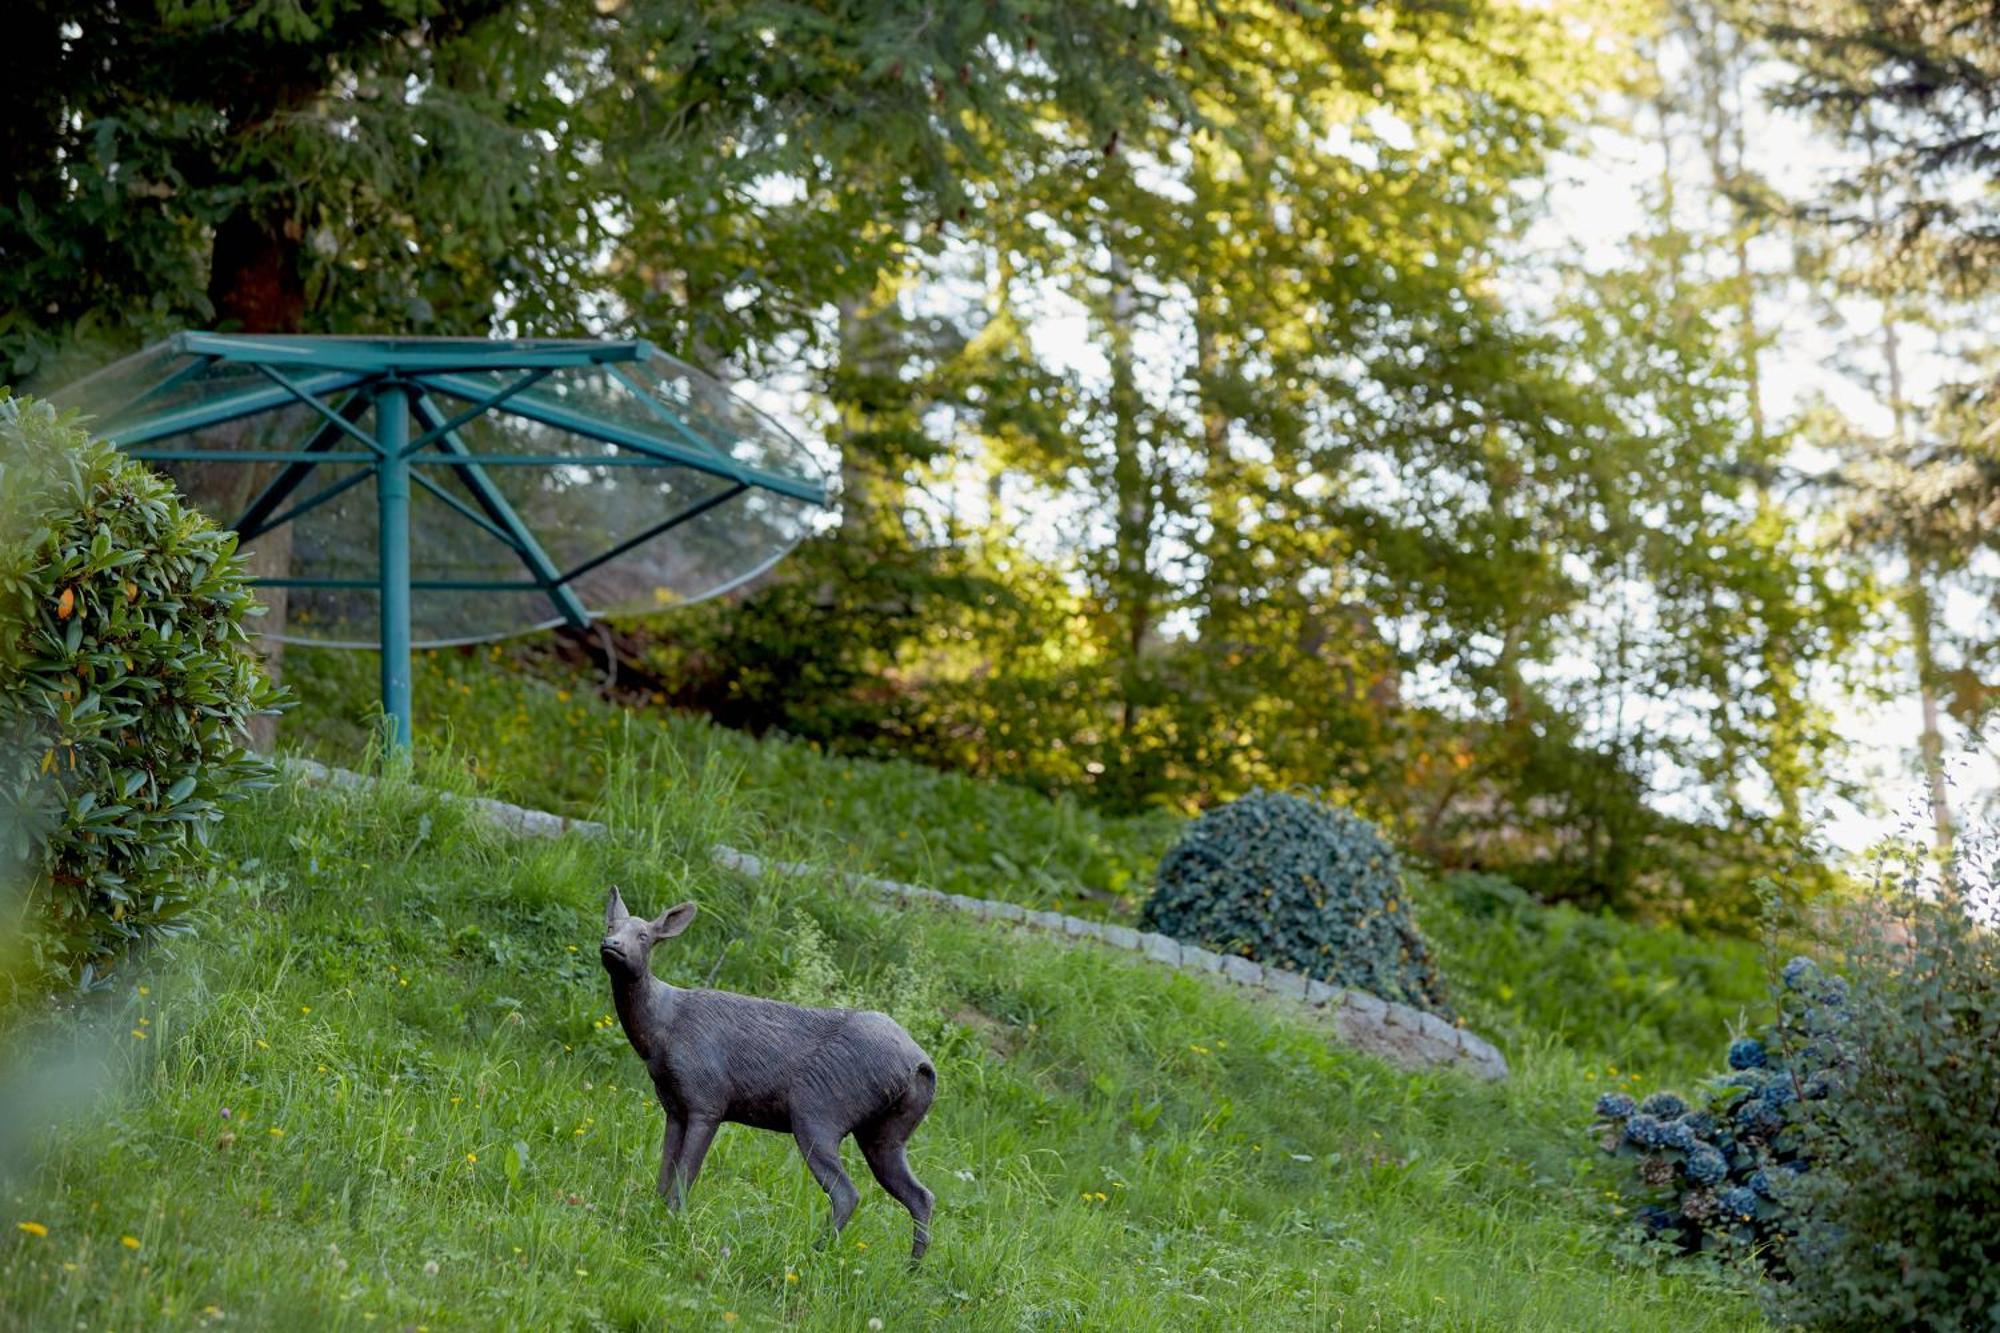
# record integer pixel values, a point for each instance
(1291, 881)
(126, 682)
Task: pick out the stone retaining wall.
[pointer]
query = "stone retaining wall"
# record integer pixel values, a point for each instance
(1405, 1037)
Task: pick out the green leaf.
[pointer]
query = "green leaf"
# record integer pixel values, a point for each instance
(515, 1162)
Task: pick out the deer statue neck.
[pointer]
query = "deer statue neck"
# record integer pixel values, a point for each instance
(645, 1007)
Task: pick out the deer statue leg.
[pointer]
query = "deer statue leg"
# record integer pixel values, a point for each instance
(694, 1147)
(892, 1172)
(882, 1143)
(822, 1154)
(670, 1152)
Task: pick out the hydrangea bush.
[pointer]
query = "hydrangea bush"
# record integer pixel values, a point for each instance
(1712, 1173)
(1289, 880)
(126, 683)
(1895, 1225)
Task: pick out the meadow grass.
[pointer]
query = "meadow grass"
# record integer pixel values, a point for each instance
(432, 1123)
(1627, 998)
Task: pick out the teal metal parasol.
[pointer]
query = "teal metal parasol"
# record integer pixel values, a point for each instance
(517, 484)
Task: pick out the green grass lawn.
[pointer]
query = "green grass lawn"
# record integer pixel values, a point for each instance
(1653, 1001)
(431, 1123)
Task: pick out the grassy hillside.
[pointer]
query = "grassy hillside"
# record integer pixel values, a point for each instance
(430, 1123)
(1652, 1001)
(381, 1087)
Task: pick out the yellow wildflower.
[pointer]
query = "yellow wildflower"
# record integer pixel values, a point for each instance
(35, 1229)
(129, 1242)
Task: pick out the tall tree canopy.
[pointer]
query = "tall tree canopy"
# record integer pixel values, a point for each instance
(1204, 420)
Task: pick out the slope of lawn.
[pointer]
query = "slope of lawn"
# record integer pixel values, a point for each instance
(1626, 999)
(379, 1089)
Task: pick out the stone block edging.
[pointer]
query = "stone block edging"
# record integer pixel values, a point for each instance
(1405, 1037)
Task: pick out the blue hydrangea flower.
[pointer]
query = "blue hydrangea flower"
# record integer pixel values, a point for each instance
(1760, 1181)
(1679, 1134)
(1664, 1105)
(1739, 1201)
(1834, 992)
(1701, 1122)
(1746, 1053)
(1614, 1106)
(1798, 972)
(1644, 1130)
(1754, 1115)
(1706, 1167)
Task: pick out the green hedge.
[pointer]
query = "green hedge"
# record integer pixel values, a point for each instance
(126, 683)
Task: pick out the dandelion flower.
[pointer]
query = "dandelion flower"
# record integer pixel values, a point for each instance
(35, 1229)
(472, 1159)
(790, 1276)
(129, 1242)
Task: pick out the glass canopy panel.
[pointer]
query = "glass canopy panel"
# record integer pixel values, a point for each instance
(575, 478)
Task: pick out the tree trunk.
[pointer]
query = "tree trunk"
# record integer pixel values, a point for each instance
(1919, 610)
(257, 285)
(1132, 489)
(1219, 589)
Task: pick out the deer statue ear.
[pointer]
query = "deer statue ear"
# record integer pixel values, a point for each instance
(673, 921)
(614, 908)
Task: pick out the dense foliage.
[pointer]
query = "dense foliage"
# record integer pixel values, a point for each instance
(125, 689)
(1914, 85)
(1718, 1173)
(1303, 490)
(1893, 1226)
(1629, 997)
(1289, 880)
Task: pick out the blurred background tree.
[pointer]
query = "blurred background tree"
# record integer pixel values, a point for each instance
(1211, 412)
